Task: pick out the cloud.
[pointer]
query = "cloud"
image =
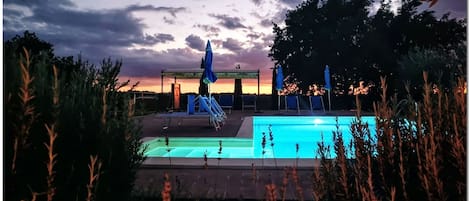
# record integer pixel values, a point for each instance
(232, 45)
(159, 38)
(170, 10)
(254, 35)
(49, 3)
(97, 32)
(208, 28)
(456, 8)
(168, 21)
(229, 22)
(147, 63)
(257, 2)
(195, 42)
(279, 15)
(291, 3)
(118, 34)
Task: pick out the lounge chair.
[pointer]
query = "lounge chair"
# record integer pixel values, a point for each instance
(292, 103)
(226, 102)
(316, 102)
(217, 116)
(248, 101)
(206, 110)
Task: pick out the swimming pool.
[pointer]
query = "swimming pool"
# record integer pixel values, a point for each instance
(292, 137)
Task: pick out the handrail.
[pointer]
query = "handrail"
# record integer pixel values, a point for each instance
(216, 118)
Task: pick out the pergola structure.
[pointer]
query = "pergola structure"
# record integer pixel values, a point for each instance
(222, 74)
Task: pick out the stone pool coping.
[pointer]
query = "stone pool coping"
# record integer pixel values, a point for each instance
(238, 163)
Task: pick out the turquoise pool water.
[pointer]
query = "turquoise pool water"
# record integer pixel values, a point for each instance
(293, 136)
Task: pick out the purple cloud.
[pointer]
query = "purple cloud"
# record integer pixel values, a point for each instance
(208, 28)
(229, 22)
(159, 38)
(232, 45)
(170, 10)
(291, 3)
(195, 42)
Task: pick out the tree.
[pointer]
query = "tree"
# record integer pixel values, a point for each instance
(318, 34)
(356, 45)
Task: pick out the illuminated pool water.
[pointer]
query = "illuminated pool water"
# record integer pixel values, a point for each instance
(288, 133)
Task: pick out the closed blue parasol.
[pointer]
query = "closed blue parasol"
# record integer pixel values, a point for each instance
(327, 79)
(279, 79)
(279, 83)
(209, 76)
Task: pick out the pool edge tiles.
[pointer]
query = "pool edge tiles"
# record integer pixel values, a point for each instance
(246, 128)
(229, 162)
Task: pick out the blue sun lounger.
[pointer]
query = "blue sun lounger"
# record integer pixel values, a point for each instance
(292, 103)
(226, 102)
(206, 110)
(316, 102)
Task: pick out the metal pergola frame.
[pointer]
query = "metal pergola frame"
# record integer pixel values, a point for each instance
(222, 74)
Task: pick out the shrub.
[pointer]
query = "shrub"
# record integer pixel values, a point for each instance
(56, 119)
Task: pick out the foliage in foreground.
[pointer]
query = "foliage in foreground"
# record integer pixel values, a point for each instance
(69, 133)
(418, 152)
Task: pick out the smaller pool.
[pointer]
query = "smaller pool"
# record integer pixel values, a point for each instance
(284, 137)
(191, 147)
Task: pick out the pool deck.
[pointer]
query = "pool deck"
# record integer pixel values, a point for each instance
(199, 127)
(240, 179)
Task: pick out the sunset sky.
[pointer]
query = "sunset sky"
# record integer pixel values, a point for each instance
(153, 35)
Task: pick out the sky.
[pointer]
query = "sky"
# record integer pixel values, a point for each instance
(149, 36)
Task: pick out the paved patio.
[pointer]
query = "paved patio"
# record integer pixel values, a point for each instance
(222, 180)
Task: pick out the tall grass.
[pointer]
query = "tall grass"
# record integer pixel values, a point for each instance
(60, 116)
(418, 151)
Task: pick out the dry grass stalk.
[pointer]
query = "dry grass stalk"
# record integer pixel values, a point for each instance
(271, 138)
(327, 169)
(52, 133)
(220, 149)
(319, 183)
(459, 120)
(131, 109)
(431, 145)
(299, 189)
(362, 168)
(458, 152)
(51, 161)
(402, 171)
(263, 142)
(284, 183)
(369, 193)
(166, 192)
(418, 147)
(341, 162)
(168, 149)
(253, 172)
(55, 87)
(206, 160)
(385, 139)
(95, 169)
(103, 114)
(393, 193)
(27, 116)
(359, 164)
(35, 195)
(271, 192)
